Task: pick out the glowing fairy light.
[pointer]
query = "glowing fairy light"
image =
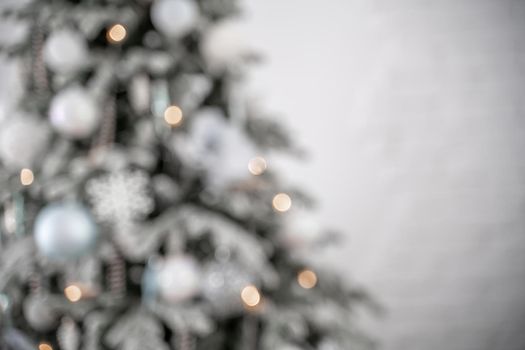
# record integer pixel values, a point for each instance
(26, 177)
(257, 165)
(282, 202)
(307, 279)
(173, 115)
(116, 33)
(250, 296)
(73, 293)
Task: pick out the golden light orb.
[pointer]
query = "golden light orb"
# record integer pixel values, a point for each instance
(173, 115)
(250, 296)
(116, 33)
(307, 279)
(44, 346)
(257, 165)
(26, 177)
(73, 293)
(282, 202)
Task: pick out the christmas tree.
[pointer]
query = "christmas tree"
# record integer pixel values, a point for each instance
(138, 209)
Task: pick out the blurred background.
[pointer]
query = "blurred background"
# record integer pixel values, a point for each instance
(413, 116)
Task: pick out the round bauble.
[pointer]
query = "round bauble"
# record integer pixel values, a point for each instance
(65, 51)
(225, 45)
(39, 313)
(23, 138)
(174, 18)
(74, 113)
(178, 278)
(65, 231)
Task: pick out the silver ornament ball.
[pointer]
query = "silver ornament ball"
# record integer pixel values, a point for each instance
(39, 313)
(66, 51)
(65, 231)
(225, 45)
(74, 113)
(174, 18)
(23, 138)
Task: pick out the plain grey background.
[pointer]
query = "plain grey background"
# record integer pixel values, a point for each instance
(413, 114)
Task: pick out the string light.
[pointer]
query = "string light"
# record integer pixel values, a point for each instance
(116, 33)
(282, 202)
(44, 346)
(26, 177)
(73, 293)
(257, 165)
(307, 279)
(250, 296)
(173, 115)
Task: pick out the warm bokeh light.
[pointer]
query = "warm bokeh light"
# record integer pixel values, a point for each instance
(282, 202)
(73, 293)
(257, 165)
(26, 177)
(250, 296)
(307, 279)
(173, 115)
(44, 346)
(116, 33)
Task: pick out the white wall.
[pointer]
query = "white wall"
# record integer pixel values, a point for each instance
(413, 112)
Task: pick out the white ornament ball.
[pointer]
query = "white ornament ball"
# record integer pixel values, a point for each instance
(174, 18)
(65, 51)
(225, 45)
(39, 313)
(74, 113)
(65, 231)
(178, 278)
(23, 138)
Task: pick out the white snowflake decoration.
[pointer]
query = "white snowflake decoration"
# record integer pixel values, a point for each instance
(120, 198)
(214, 145)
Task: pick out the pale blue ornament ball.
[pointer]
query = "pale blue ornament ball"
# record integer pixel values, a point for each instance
(65, 231)
(174, 18)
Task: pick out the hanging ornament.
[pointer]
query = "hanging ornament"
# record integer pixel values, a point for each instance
(139, 92)
(121, 197)
(215, 146)
(23, 138)
(174, 18)
(65, 231)
(224, 45)
(222, 284)
(68, 334)
(66, 51)
(39, 313)
(74, 113)
(174, 279)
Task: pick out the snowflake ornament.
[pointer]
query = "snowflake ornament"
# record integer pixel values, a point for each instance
(215, 146)
(121, 197)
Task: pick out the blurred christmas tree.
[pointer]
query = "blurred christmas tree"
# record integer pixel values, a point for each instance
(137, 210)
